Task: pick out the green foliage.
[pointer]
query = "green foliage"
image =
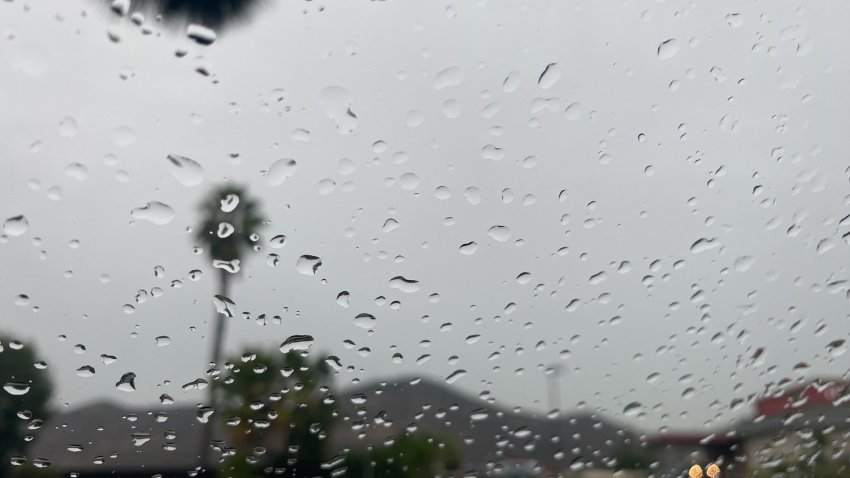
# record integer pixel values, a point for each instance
(17, 366)
(289, 396)
(411, 456)
(631, 458)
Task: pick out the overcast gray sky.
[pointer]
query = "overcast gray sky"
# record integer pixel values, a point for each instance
(663, 122)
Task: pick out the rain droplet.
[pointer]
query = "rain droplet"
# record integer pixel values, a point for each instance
(229, 203)
(668, 49)
(16, 226)
(201, 34)
(499, 233)
(85, 371)
(704, 244)
(16, 388)
(68, 127)
(455, 376)
(365, 321)
(468, 248)
(308, 265)
(405, 285)
(127, 383)
(389, 225)
(77, 171)
(187, 171)
(277, 241)
(632, 409)
(280, 170)
(155, 212)
(550, 75)
(336, 102)
(140, 438)
(162, 341)
(342, 298)
(451, 76)
(512, 82)
(296, 342)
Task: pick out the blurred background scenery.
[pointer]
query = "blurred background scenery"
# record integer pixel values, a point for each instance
(246, 238)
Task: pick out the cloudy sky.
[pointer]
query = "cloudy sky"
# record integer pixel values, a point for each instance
(648, 192)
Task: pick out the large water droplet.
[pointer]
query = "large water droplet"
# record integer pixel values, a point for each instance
(632, 409)
(704, 244)
(155, 212)
(550, 75)
(16, 388)
(229, 203)
(500, 233)
(365, 321)
(68, 127)
(140, 438)
(16, 226)
(455, 376)
(308, 265)
(668, 49)
(85, 371)
(186, 170)
(127, 383)
(296, 342)
(451, 76)
(405, 285)
(280, 170)
(336, 102)
(201, 34)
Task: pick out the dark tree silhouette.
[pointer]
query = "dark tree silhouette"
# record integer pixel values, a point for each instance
(214, 14)
(25, 396)
(284, 407)
(230, 220)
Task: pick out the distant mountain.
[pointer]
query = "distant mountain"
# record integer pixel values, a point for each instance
(104, 439)
(483, 432)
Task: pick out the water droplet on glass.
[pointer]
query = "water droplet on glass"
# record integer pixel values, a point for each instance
(127, 383)
(342, 298)
(468, 248)
(77, 171)
(162, 341)
(455, 376)
(85, 371)
(405, 285)
(225, 229)
(280, 170)
(512, 82)
(499, 233)
(16, 226)
(336, 103)
(308, 265)
(16, 388)
(68, 127)
(140, 438)
(632, 409)
(155, 212)
(451, 76)
(277, 241)
(668, 49)
(296, 342)
(201, 34)
(187, 171)
(365, 321)
(704, 244)
(550, 75)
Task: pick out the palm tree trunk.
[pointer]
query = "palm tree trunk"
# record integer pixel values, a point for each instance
(215, 353)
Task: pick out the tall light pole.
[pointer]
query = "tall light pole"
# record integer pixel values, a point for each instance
(553, 385)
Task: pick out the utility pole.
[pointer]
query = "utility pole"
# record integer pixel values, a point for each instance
(553, 385)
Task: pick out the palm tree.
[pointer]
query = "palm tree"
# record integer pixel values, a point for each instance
(229, 223)
(215, 14)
